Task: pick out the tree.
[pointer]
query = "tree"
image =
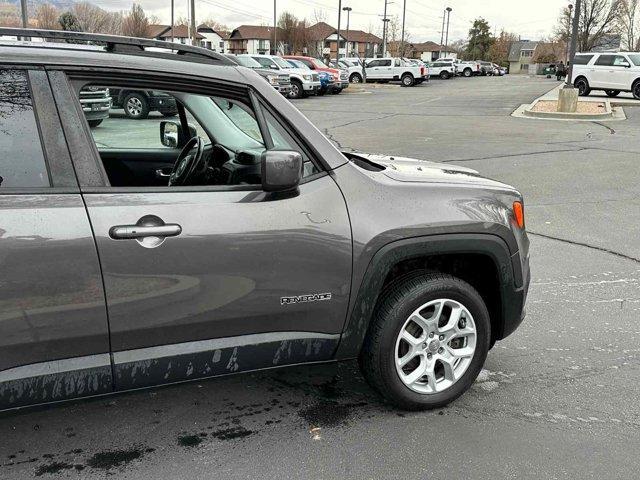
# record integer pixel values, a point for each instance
(629, 24)
(293, 32)
(47, 17)
(499, 50)
(550, 51)
(598, 19)
(480, 40)
(96, 20)
(216, 26)
(136, 23)
(69, 22)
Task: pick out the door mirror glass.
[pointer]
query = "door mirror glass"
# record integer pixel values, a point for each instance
(172, 136)
(281, 170)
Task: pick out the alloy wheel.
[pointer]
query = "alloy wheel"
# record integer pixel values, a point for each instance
(435, 346)
(134, 107)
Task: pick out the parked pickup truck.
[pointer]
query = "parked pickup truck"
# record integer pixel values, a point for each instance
(389, 69)
(96, 104)
(280, 82)
(465, 68)
(340, 76)
(303, 82)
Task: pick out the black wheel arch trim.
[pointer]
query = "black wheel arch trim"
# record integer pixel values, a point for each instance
(513, 281)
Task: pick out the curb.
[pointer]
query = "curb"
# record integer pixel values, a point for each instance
(569, 116)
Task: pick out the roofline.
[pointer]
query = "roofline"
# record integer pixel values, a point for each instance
(118, 44)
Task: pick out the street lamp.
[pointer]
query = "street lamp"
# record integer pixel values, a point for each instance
(569, 31)
(337, 35)
(446, 41)
(348, 10)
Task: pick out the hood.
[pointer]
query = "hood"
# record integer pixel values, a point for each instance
(412, 170)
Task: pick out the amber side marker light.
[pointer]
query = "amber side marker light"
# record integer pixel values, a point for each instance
(518, 213)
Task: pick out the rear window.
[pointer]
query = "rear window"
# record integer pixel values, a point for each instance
(582, 59)
(22, 162)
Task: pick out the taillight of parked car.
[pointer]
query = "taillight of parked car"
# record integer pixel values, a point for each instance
(518, 214)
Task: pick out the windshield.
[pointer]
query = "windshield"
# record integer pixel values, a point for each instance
(298, 64)
(281, 62)
(635, 58)
(248, 62)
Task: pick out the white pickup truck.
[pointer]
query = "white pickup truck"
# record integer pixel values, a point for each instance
(390, 69)
(465, 68)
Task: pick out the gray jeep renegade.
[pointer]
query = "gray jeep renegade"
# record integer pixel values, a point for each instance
(234, 237)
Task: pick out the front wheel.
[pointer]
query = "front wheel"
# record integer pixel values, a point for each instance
(636, 90)
(95, 123)
(296, 89)
(428, 340)
(612, 93)
(355, 78)
(467, 72)
(444, 75)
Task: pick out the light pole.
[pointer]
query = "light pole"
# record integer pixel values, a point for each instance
(574, 43)
(404, 11)
(172, 20)
(446, 41)
(338, 33)
(569, 31)
(384, 30)
(348, 10)
(444, 16)
(275, 30)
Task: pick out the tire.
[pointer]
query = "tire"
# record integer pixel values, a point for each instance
(635, 89)
(95, 123)
(336, 91)
(395, 312)
(136, 106)
(407, 80)
(583, 86)
(355, 78)
(467, 72)
(612, 93)
(169, 114)
(321, 92)
(445, 75)
(296, 89)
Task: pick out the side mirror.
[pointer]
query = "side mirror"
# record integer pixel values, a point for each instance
(626, 64)
(172, 136)
(273, 67)
(281, 170)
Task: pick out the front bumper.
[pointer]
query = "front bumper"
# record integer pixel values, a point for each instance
(163, 104)
(96, 109)
(311, 86)
(514, 299)
(283, 89)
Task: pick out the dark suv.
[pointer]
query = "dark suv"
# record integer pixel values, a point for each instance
(235, 238)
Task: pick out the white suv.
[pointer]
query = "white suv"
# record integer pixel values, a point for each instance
(611, 72)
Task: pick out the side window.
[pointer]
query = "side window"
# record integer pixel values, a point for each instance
(605, 60)
(385, 63)
(620, 61)
(373, 63)
(582, 59)
(398, 62)
(22, 161)
(282, 140)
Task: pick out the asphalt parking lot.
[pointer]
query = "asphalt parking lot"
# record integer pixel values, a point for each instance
(557, 399)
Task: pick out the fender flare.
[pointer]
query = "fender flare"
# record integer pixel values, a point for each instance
(361, 310)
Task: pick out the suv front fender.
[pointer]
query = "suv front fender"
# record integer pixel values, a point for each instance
(512, 279)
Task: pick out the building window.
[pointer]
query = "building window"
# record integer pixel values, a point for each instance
(526, 53)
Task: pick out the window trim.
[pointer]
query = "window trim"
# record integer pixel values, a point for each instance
(56, 177)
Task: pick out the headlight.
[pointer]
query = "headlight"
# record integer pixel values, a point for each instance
(273, 80)
(308, 78)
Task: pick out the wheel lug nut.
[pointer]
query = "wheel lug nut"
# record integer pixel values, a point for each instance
(424, 345)
(441, 337)
(429, 356)
(431, 335)
(462, 323)
(440, 350)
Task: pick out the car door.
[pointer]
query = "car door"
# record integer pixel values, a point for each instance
(372, 69)
(622, 72)
(242, 279)
(603, 72)
(54, 341)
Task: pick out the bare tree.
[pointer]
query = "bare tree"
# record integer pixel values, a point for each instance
(598, 19)
(47, 17)
(629, 24)
(319, 15)
(499, 50)
(136, 23)
(550, 51)
(96, 20)
(181, 20)
(215, 25)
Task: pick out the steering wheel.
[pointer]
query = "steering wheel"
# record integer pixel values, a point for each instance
(189, 164)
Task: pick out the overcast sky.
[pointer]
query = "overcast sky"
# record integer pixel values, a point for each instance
(530, 19)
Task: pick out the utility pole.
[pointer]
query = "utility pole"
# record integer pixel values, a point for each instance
(348, 10)
(274, 49)
(574, 43)
(25, 16)
(172, 19)
(194, 32)
(384, 30)
(444, 16)
(569, 31)
(446, 40)
(338, 34)
(404, 12)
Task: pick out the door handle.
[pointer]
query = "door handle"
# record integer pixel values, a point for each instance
(126, 232)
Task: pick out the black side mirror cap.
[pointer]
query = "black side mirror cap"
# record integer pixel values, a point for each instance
(281, 170)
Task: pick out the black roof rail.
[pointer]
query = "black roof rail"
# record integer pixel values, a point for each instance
(116, 43)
